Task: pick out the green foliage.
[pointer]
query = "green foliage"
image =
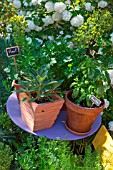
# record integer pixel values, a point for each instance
(89, 81)
(96, 25)
(38, 85)
(6, 156)
(53, 155)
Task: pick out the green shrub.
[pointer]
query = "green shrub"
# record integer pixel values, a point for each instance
(6, 157)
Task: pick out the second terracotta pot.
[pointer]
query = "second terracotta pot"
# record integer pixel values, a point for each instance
(80, 119)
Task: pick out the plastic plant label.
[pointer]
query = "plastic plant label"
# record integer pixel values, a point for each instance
(103, 143)
(95, 100)
(12, 51)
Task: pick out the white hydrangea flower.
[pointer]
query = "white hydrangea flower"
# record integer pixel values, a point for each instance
(111, 35)
(48, 20)
(110, 125)
(102, 4)
(38, 29)
(29, 40)
(100, 51)
(17, 4)
(21, 13)
(51, 38)
(10, 0)
(88, 6)
(59, 7)
(49, 6)
(9, 28)
(106, 103)
(110, 73)
(26, 4)
(66, 15)
(30, 4)
(39, 40)
(34, 2)
(56, 16)
(68, 2)
(77, 21)
(27, 30)
(31, 25)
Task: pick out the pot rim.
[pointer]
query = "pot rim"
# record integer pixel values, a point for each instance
(87, 108)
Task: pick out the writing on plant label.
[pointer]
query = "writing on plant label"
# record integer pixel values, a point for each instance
(96, 101)
(12, 51)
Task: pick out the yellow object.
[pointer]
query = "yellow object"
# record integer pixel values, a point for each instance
(103, 143)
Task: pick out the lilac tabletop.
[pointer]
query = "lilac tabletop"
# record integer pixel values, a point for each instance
(57, 130)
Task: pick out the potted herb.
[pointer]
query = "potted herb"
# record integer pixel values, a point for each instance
(38, 100)
(90, 80)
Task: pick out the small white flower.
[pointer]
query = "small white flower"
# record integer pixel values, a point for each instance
(70, 44)
(58, 43)
(88, 6)
(56, 16)
(68, 2)
(17, 4)
(34, 2)
(39, 40)
(29, 39)
(8, 38)
(49, 6)
(31, 25)
(106, 103)
(59, 7)
(101, 113)
(28, 13)
(110, 125)
(67, 36)
(51, 38)
(110, 73)
(38, 29)
(105, 83)
(61, 32)
(77, 21)
(102, 4)
(9, 28)
(100, 51)
(111, 35)
(48, 20)
(66, 15)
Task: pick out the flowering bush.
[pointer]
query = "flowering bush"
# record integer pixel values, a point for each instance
(79, 28)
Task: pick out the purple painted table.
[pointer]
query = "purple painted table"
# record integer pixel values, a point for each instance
(57, 130)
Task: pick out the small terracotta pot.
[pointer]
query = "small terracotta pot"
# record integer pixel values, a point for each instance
(39, 116)
(80, 119)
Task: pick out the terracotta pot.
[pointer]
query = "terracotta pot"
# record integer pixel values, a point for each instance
(80, 119)
(39, 116)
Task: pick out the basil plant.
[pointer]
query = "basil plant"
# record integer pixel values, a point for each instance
(91, 79)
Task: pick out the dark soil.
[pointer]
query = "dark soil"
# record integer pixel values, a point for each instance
(44, 100)
(83, 103)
